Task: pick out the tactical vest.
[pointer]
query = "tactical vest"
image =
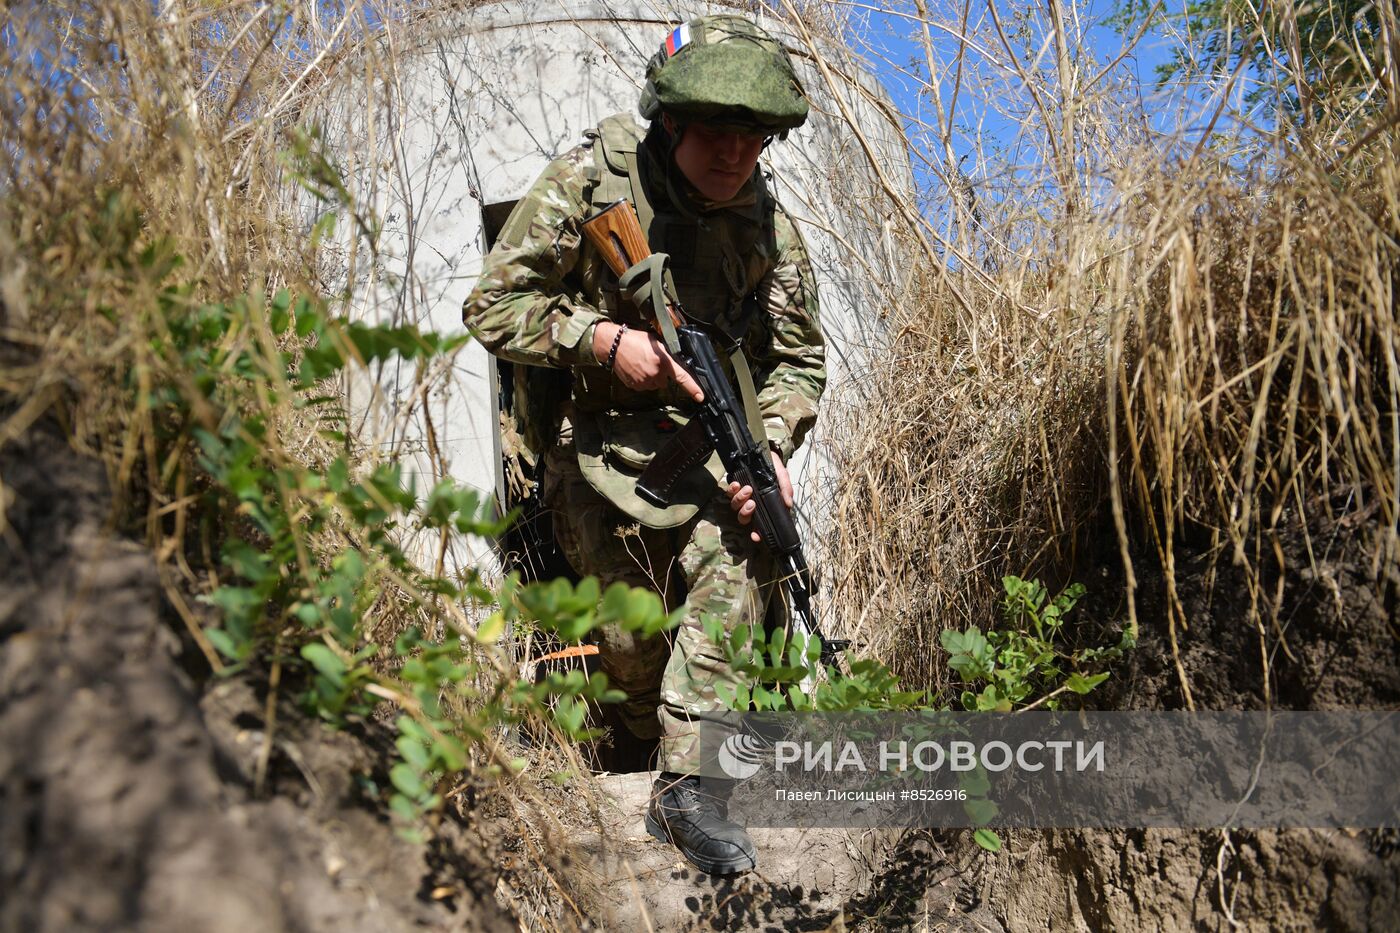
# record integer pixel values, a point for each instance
(717, 263)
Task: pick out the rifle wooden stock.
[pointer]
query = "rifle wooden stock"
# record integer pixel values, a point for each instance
(618, 236)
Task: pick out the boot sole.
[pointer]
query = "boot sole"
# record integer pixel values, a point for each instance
(740, 863)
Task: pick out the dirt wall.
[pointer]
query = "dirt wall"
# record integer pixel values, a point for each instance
(1334, 647)
(126, 787)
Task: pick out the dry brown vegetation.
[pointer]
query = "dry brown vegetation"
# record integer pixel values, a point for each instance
(127, 127)
(1145, 325)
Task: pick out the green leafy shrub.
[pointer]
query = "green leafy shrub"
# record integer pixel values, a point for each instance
(308, 552)
(785, 673)
(1027, 663)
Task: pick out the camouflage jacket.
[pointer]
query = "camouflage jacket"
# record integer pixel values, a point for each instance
(543, 287)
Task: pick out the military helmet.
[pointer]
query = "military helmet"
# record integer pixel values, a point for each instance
(724, 69)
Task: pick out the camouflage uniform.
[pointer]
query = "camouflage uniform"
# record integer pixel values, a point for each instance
(542, 289)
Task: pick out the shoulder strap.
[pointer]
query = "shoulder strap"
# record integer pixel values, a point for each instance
(615, 174)
(744, 377)
(640, 202)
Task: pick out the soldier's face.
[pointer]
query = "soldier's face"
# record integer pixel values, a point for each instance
(717, 161)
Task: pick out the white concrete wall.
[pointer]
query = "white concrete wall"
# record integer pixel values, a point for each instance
(475, 106)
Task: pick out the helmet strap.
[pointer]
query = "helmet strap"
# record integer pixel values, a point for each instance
(674, 132)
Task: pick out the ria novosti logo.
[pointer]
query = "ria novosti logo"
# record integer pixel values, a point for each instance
(741, 756)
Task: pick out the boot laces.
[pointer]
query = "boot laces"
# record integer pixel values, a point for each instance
(690, 797)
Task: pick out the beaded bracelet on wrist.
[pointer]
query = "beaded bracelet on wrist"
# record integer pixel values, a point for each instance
(617, 342)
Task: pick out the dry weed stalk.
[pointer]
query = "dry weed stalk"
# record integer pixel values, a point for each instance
(1258, 381)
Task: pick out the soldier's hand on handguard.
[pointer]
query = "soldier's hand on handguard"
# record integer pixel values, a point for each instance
(641, 362)
(741, 498)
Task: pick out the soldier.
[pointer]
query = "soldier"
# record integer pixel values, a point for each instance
(717, 93)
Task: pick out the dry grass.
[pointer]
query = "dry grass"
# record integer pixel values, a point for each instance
(113, 108)
(1257, 375)
(1131, 335)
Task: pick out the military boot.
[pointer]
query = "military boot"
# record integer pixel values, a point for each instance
(692, 815)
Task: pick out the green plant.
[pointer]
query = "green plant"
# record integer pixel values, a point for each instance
(1303, 57)
(783, 673)
(1027, 663)
(1024, 664)
(308, 551)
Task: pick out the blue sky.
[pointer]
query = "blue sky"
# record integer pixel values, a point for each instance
(897, 38)
(1008, 143)
(890, 37)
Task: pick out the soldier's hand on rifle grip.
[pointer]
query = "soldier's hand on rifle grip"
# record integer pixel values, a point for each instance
(642, 363)
(741, 497)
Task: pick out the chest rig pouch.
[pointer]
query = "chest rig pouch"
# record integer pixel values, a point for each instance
(717, 262)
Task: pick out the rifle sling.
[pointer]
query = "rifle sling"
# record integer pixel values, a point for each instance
(645, 283)
(649, 278)
(689, 447)
(640, 201)
(744, 377)
(660, 283)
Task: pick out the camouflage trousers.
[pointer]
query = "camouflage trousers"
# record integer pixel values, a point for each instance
(709, 564)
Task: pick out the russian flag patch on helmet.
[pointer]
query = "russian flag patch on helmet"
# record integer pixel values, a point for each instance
(678, 39)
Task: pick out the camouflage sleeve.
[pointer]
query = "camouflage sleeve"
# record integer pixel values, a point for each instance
(522, 309)
(791, 369)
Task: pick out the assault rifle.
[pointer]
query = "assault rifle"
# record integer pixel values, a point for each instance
(724, 427)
